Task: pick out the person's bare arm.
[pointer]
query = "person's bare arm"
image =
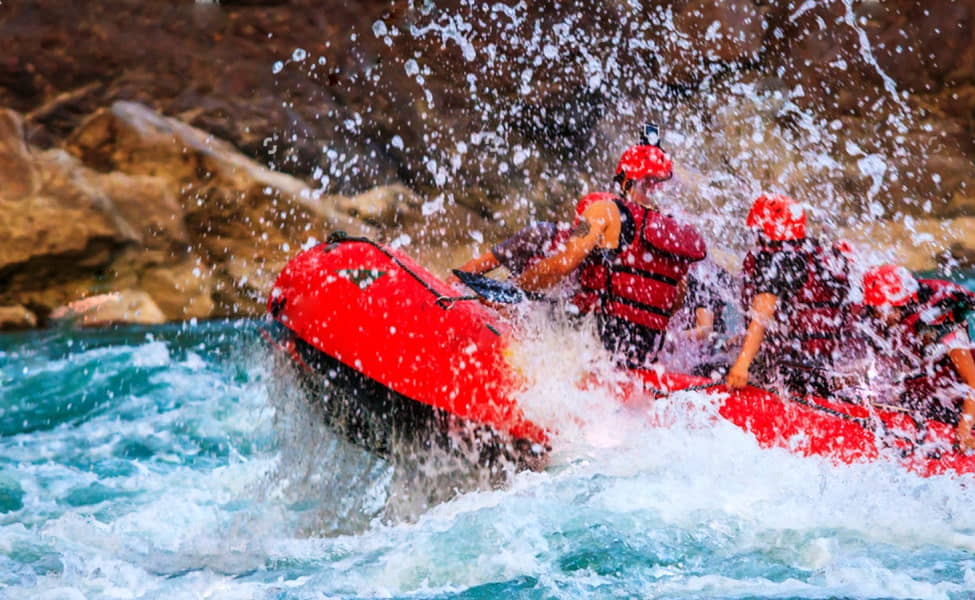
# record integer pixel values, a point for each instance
(589, 232)
(961, 358)
(703, 324)
(762, 310)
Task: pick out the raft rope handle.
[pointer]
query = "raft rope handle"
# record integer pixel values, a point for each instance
(797, 399)
(444, 302)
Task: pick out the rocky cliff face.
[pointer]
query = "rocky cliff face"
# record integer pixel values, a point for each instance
(180, 222)
(865, 109)
(142, 201)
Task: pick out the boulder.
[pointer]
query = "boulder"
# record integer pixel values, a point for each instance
(60, 224)
(150, 205)
(961, 254)
(17, 172)
(16, 317)
(146, 203)
(387, 206)
(244, 219)
(72, 231)
(183, 290)
(133, 139)
(125, 306)
(46, 212)
(726, 32)
(924, 46)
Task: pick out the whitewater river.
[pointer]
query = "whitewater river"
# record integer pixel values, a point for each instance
(169, 462)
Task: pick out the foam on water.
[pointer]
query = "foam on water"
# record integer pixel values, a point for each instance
(205, 480)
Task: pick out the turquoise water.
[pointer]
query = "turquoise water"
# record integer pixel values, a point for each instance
(174, 462)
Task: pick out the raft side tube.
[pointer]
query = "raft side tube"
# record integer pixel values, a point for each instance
(383, 422)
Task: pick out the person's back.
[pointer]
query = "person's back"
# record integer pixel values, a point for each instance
(812, 285)
(796, 295)
(634, 289)
(628, 259)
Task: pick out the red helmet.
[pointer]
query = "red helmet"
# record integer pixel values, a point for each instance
(643, 161)
(890, 285)
(780, 217)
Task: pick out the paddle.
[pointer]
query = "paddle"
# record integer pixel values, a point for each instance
(492, 290)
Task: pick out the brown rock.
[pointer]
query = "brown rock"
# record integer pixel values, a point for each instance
(918, 244)
(125, 306)
(136, 140)
(182, 291)
(246, 280)
(149, 204)
(962, 255)
(559, 86)
(536, 80)
(723, 31)
(16, 168)
(16, 317)
(924, 46)
(388, 206)
(245, 219)
(76, 231)
(59, 217)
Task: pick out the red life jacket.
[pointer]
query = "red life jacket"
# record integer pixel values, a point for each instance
(941, 307)
(638, 281)
(812, 319)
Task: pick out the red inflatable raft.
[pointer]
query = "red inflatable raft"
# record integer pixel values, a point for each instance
(393, 354)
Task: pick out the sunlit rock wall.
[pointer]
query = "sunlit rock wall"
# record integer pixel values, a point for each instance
(147, 203)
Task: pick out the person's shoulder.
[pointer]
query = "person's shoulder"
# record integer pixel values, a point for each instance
(931, 285)
(600, 206)
(770, 253)
(779, 262)
(799, 250)
(538, 231)
(595, 198)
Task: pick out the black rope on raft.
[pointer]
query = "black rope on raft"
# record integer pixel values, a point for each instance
(869, 424)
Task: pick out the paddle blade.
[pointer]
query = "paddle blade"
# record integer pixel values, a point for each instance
(492, 290)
